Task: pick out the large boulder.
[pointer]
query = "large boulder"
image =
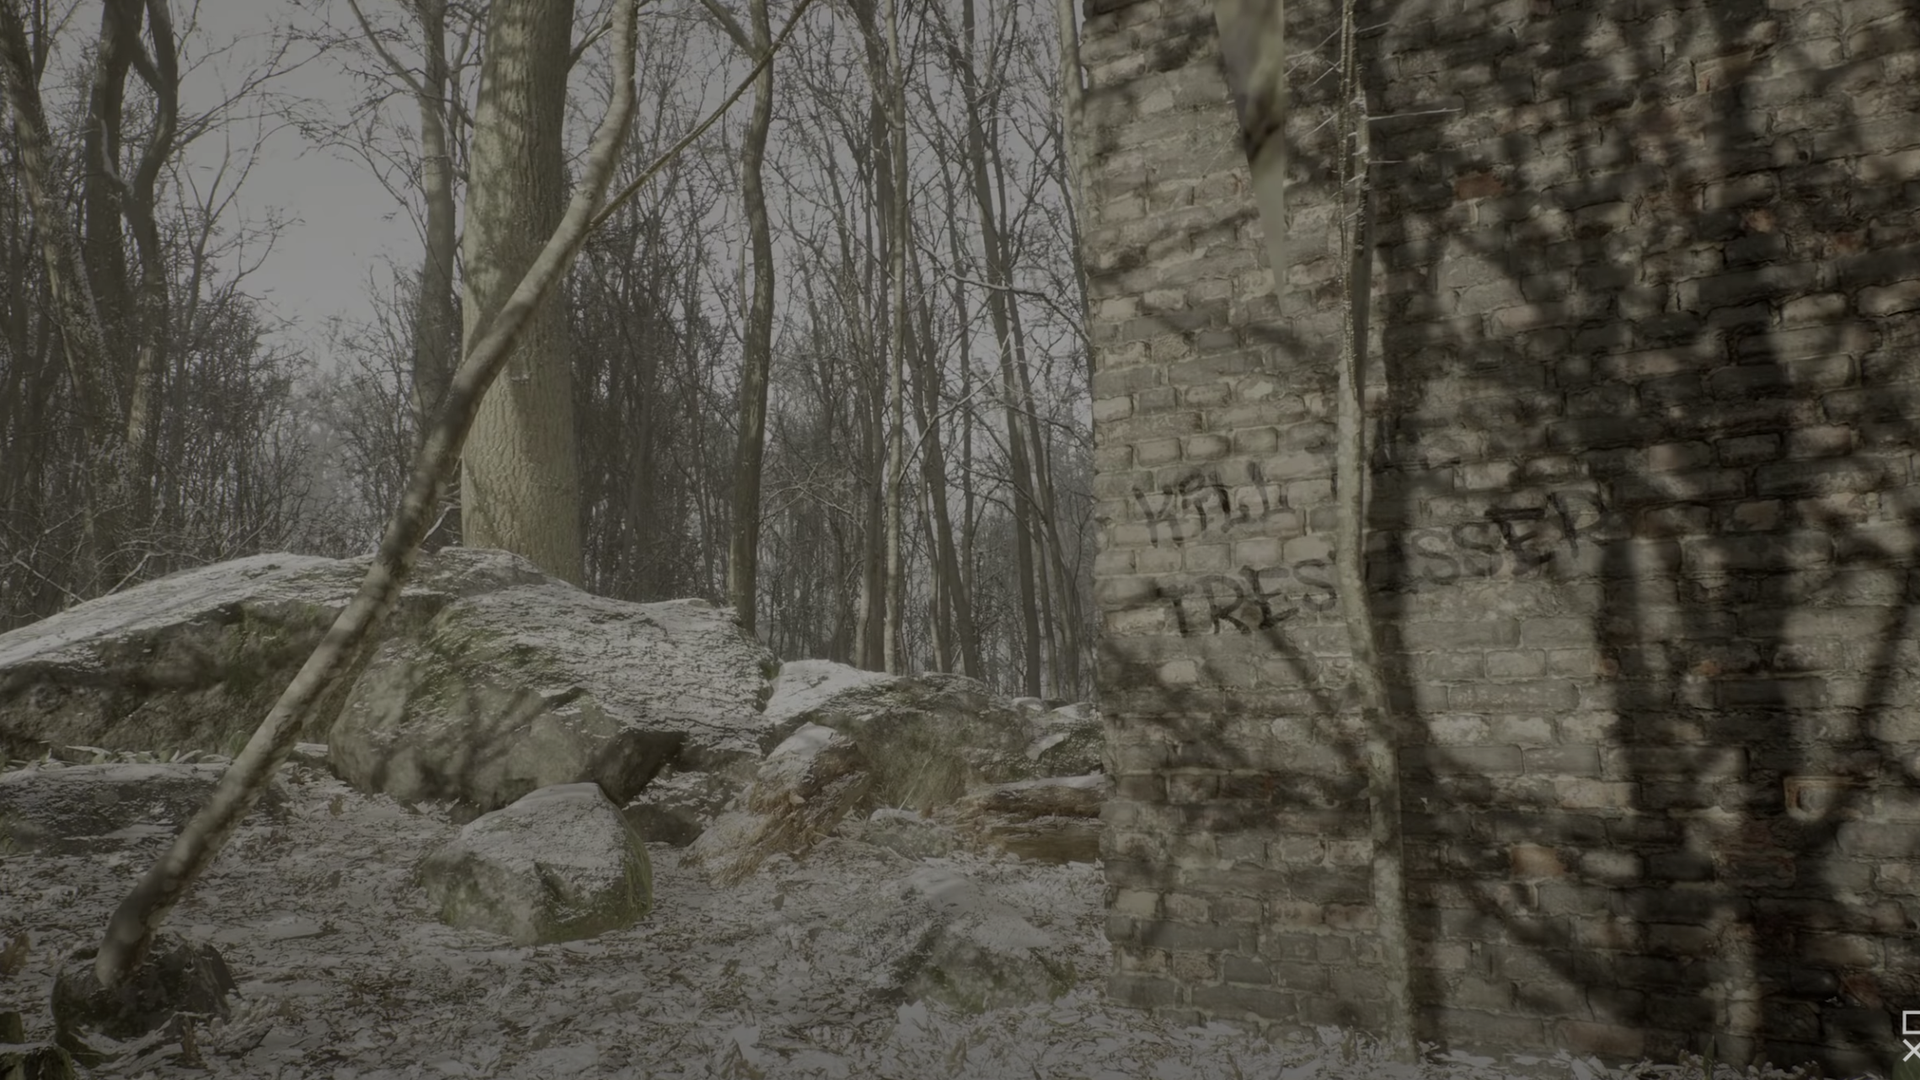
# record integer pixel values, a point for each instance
(195, 660)
(1054, 819)
(536, 685)
(806, 785)
(928, 737)
(70, 809)
(558, 865)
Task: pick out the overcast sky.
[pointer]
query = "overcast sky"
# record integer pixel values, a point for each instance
(341, 221)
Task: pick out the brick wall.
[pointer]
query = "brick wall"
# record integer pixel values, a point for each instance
(1645, 493)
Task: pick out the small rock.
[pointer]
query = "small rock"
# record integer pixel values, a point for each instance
(560, 864)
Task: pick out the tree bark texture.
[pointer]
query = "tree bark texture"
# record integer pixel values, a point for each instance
(900, 236)
(520, 481)
(998, 304)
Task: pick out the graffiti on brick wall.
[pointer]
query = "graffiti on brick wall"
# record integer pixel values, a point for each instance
(1200, 501)
(1511, 542)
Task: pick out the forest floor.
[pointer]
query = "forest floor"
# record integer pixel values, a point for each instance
(344, 973)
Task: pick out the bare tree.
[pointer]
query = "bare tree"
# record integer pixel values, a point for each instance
(134, 922)
(107, 482)
(77, 319)
(743, 551)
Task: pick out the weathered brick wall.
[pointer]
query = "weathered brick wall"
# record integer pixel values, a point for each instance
(1648, 322)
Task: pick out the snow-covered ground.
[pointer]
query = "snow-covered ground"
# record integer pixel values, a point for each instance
(345, 974)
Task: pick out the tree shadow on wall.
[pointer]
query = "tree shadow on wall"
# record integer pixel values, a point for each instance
(1659, 278)
(1634, 251)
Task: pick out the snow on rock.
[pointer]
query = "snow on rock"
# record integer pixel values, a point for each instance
(676, 807)
(1053, 819)
(76, 808)
(543, 684)
(558, 865)
(194, 660)
(1072, 741)
(929, 737)
(804, 787)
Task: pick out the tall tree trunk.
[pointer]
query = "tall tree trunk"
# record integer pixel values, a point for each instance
(954, 615)
(743, 556)
(103, 241)
(436, 335)
(436, 322)
(520, 480)
(997, 304)
(969, 632)
(1073, 148)
(134, 922)
(152, 307)
(900, 236)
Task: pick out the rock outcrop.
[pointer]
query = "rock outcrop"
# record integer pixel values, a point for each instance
(1072, 741)
(506, 692)
(194, 660)
(928, 737)
(807, 784)
(1054, 819)
(558, 865)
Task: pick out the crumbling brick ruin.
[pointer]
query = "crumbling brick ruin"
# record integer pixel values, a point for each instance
(1647, 324)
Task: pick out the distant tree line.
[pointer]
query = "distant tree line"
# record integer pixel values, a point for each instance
(830, 366)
